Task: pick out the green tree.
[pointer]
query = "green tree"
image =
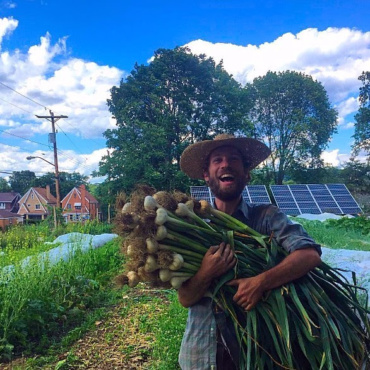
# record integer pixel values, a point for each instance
(21, 181)
(362, 118)
(4, 186)
(356, 176)
(67, 181)
(161, 108)
(293, 116)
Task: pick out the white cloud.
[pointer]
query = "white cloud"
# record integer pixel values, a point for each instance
(13, 158)
(335, 57)
(334, 158)
(68, 86)
(7, 26)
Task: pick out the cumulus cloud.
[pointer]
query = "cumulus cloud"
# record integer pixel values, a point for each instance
(50, 77)
(13, 158)
(7, 26)
(335, 57)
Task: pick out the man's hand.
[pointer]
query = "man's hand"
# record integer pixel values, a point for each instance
(217, 260)
(249, 291)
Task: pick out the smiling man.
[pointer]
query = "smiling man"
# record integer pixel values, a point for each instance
(225, 164)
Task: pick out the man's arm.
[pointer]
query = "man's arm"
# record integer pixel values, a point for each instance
(216, 261)
(295, 265)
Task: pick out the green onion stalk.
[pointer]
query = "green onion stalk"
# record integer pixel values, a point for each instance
(314, 322)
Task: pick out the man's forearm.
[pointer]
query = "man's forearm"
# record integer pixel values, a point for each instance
(192, 290)
(294, 266)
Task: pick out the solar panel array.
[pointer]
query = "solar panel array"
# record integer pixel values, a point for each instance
(251, 194)
(314, 199)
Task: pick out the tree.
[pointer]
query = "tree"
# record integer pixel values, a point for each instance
(362, 118)
(67, 181)
(4, 186)
(21, 181)
(161, 108)
(293, 116)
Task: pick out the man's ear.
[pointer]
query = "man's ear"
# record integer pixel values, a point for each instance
(248, 177)
(206, 176)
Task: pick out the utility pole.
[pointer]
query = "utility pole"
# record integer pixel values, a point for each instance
(53, 119)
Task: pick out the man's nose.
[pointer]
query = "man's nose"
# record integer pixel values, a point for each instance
(225, 163)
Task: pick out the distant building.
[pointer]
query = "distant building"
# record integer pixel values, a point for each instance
(9, 201)
(79, 205)
(34, 204)
(9, 218)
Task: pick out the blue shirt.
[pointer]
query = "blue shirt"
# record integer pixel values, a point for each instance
(199, 343)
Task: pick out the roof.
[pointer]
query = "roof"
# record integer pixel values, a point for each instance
(43, 193)
(7, 214)
(90, 198)
(8, 197)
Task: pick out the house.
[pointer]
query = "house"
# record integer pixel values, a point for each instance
(9, 201)
(80, 205)
(34, 204)
(8, 218)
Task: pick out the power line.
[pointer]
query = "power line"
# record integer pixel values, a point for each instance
(15, 105)
(34, 101)
(23, 138)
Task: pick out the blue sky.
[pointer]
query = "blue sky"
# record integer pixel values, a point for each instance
(66, 55)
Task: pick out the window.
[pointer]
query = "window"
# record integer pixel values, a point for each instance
(37, 206)
(71, 217)
(77, 207)
(31, 195)
(69, 206)
(2, 205)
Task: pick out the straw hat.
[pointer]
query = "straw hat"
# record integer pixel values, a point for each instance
(194, 157)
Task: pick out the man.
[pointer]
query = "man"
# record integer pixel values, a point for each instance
(225, 164)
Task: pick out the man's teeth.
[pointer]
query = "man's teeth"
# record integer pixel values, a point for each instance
(227, 177)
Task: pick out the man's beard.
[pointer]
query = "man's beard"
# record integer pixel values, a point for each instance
(227, 194)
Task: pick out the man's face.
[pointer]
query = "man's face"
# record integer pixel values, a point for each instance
(226, 175)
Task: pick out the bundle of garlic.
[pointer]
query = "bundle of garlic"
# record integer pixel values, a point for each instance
(316, 320)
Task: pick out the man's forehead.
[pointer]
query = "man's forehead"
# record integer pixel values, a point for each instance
(222, 150)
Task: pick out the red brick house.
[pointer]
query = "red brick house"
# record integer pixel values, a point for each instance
(80, 205)
(34, 204)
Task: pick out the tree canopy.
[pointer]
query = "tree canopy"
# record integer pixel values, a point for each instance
(161, 108)
(362, 118)
(293, 116)
(67, 181)
(21, 181)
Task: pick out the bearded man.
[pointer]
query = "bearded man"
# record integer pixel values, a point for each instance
(225, 164)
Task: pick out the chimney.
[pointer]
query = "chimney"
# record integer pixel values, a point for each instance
(48, 192)
(83, 195)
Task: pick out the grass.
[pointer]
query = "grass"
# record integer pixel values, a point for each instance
(85, 322)
(338, 234)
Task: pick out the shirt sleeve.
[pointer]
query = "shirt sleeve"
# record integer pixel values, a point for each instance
(291, 236)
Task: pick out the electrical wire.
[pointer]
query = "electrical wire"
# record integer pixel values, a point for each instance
(23, 138)
(16, 106)
(34, 101)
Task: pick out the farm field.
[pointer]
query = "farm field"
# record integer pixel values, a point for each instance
(86, 322)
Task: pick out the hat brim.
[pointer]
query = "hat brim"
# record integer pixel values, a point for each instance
(194, 156)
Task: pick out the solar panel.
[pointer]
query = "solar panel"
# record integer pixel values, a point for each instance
(250, 194)
(314, 199)
(284, 199)
(344, 199)
(304, 199)
(258, 194)
(201, 193)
